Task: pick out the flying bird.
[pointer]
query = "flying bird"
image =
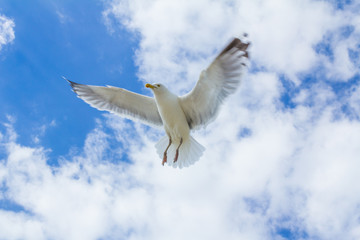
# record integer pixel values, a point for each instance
(177, 114)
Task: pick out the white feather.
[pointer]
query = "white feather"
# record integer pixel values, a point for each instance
(178, 115)
(191, 151)
(120, 101)
(219, 80)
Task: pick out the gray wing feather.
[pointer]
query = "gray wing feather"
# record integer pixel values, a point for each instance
(218, 81)
(120, 101)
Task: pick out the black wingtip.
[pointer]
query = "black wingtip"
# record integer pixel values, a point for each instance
(72, 84)
(239, 44)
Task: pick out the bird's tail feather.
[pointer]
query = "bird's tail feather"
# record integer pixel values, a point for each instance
(190, 151)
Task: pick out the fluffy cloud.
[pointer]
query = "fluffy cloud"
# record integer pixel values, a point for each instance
(291, 172)
(288, 37)
(7, 34)
(270, 171)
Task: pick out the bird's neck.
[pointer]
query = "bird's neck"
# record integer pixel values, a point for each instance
(165, 98)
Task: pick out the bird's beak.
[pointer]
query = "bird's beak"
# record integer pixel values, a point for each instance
(148, 85)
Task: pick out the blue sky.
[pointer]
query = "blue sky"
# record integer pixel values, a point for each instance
(281, 160)
(77, 46)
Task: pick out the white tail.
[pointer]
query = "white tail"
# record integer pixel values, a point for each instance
(190, 151)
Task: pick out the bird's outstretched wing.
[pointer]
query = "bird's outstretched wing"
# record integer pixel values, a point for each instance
(220, 79)
(120, 101)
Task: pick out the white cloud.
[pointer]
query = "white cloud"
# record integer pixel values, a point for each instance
(40, 131)
(288, 167)
(19, 226)
(295, 169)
(175, 48)
(63, 18)
(284, 35)
(7, 34)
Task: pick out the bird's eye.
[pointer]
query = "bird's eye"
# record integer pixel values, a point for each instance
(158, 85)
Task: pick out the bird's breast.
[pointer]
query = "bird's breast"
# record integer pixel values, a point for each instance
(173, 118)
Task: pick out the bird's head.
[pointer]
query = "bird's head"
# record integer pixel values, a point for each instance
(157, 88)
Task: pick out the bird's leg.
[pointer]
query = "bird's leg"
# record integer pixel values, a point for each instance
(165, 153)
(177, 151)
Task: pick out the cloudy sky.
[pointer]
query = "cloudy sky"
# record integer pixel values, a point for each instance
(282, 159)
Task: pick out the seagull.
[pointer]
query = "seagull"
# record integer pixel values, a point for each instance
(178, 115)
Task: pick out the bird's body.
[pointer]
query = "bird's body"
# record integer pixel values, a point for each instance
(178, 115)
(175, 125)
(172, 116)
